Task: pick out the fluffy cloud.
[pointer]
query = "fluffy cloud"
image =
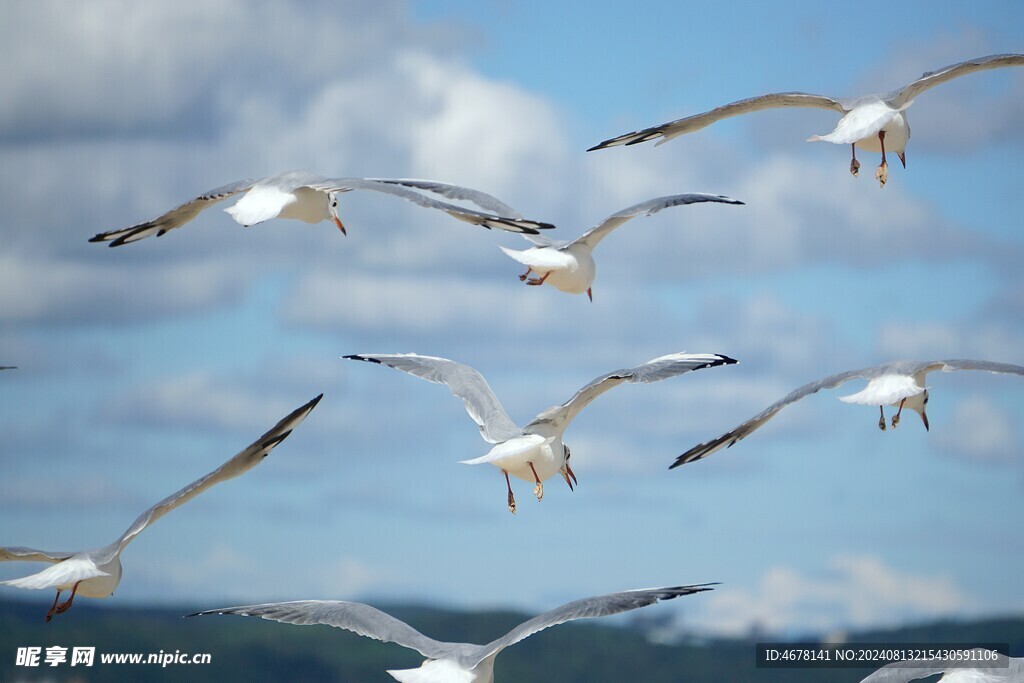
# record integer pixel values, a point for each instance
(853, 591)
(981, 430)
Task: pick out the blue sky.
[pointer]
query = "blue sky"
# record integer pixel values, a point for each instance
(144, 367)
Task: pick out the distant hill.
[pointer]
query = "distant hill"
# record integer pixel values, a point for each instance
(254, 650)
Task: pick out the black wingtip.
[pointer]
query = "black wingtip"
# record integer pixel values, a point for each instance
(726, 360)
(364, 358)
(98, 237)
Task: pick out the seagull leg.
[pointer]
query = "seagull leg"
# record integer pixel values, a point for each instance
(538, 490)
(53, 608)
(511, 497)
(882, 174)
(881, 420)
(854, 165)
(522, 278)
(65, 606)
(538, 280)
(896, 417)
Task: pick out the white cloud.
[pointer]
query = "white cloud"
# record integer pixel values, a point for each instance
(982, 431)
(853, 591)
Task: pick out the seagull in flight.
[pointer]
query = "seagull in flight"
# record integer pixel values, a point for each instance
(569, 266)
(873, 123)
(900, 384)
(448, 662)
(96, 573)
(311, 198)
(8, 367)
(535, 452)
(1000, 669)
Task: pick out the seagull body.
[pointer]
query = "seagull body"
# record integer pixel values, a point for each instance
(533, 453)
(311, 198)
(900, 384)
(447, 662)
(569, 266)
(96, 573)
(1003, 669)
(875, 123)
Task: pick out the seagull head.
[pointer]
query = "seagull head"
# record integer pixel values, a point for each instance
(919, 404)
(332, 207)
(565, 470)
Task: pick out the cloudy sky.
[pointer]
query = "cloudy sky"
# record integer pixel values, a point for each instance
(144, 367)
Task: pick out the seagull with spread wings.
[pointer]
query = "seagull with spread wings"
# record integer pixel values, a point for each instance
(307, 197)
(569, 266)
(96, 573)
(448, 662)
(900, 384)
(535, 452)
(874, 123)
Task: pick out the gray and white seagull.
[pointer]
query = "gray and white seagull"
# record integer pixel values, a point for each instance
(569, 266)
(96, 573)
(311, 198)
(535, 452)
(900, 384)
(447, 662)
(874, 123)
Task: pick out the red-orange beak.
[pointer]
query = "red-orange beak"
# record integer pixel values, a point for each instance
(337, 221)
(590, 294)
(903, 158)
(924, 418)
(566, 474)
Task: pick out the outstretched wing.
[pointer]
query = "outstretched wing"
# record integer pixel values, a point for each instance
(241, 463)
(998, 668)
(729, 438)
(648, 208)
(899, 98)
(64, 573)
(487, 220)
(463, 381)
(482, 199)
(669, 130)
(19, 554)
(967, 364)
(174, 218)
(351, 616)
(600, 606)
(652, 371)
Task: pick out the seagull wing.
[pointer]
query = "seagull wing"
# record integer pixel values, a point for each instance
(64, 573)
(667, 131)
(900, 98)
(466, 383)
(481, 199)
(19, 554)
(241, 463)
(966, 364)
(731, 437)
(174, 218)
(600, 606)
(648, 208)
(487, 220)
(1000, 668)
(351, 616)
(655, 370)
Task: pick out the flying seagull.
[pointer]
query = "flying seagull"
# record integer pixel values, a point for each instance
(899, 384)
(8, 367)
(569, 266)
(535, 452)
(998, 669)
(311, 198)
(872, 122)
(96, 573)
(448, 662)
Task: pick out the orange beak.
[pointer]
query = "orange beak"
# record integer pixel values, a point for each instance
(924, 418)
(903, 159)
(590, 294)
(337, 221)
(566, 474)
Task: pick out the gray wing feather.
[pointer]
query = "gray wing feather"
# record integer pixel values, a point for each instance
(487, 220)
(239, 464)
(669, 130)
(931, 79)
(351, 616)
(464, 382)
(648, 208)
(586, 608)
(19, 554)
(482, 199)
(967, 364)
(174, 218)
(754, 423)
(655, 370)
